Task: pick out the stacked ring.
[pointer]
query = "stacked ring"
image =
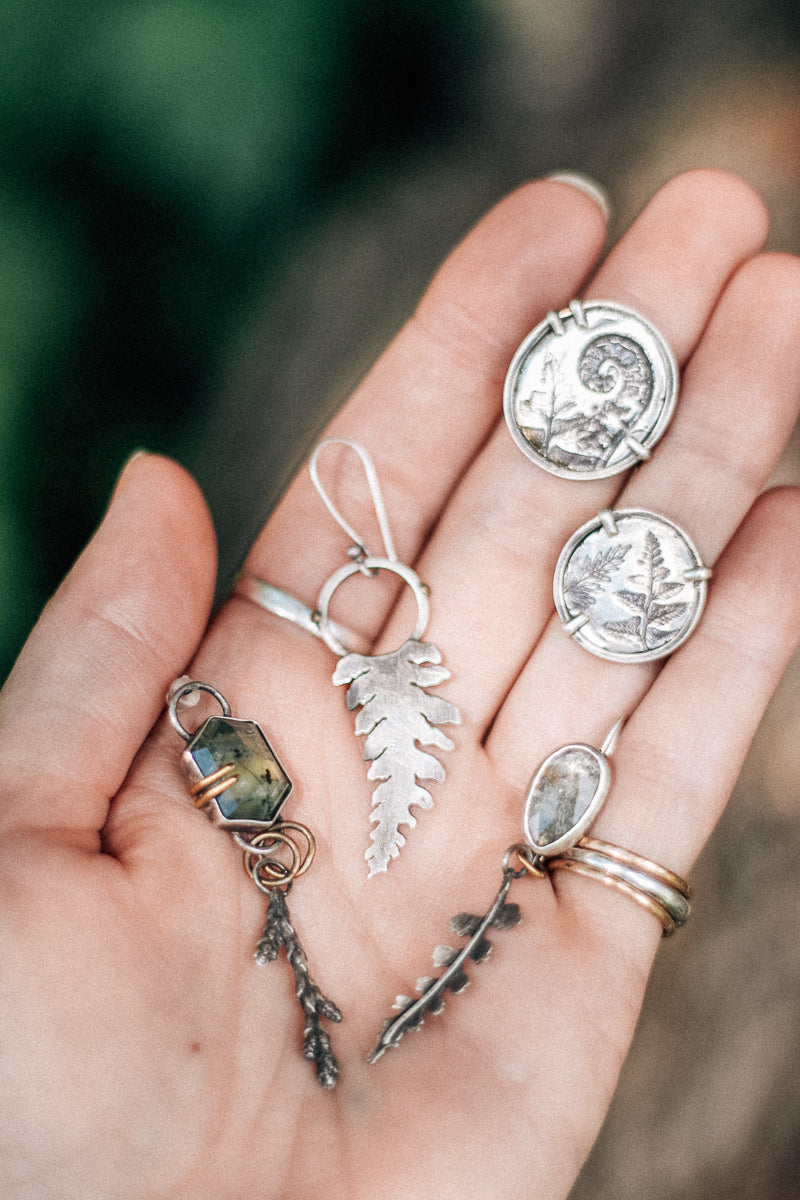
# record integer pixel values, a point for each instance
(660, 891)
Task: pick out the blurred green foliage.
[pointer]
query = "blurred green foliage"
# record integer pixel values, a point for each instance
(156, 161)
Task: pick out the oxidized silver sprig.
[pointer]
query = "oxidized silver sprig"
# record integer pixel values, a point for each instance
(563, 799)
(279, 933)
(500, 915)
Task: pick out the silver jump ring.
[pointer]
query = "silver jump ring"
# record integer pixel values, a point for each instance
(186, 689)
(370, 564)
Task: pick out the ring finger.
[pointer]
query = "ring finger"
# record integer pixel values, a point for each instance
(705, 475)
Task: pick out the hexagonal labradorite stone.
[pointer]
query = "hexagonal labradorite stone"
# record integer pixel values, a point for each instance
(262, 785)
(560, 795)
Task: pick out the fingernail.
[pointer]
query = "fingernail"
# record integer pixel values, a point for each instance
(586, 185)
(130, 459)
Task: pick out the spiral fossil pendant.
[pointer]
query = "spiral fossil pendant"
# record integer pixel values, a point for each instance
(590, 391)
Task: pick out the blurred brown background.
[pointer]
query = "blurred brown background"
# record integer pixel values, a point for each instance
(212, 218)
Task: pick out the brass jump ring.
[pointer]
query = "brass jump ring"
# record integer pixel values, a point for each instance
(258, 864)
(530, 863)
(265, 842)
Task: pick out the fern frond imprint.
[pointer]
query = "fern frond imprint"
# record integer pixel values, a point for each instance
(586, 575)
(501, 915)
(647, 627)
(540, 422)
(397, 717)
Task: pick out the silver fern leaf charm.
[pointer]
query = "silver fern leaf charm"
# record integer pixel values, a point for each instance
(397, 717)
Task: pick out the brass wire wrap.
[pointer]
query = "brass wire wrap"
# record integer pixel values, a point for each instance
(213, 785)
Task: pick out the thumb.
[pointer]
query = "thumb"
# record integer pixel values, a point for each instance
(91, 679)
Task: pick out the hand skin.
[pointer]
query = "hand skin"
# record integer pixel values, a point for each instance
(145, 1055)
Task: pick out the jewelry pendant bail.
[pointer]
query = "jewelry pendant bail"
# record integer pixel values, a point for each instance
(358, 551)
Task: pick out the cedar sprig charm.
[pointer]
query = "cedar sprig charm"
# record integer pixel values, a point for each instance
(237, 779)
(279, 934)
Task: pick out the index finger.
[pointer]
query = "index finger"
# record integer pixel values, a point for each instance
(429, 404)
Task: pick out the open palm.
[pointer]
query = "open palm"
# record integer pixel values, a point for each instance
(145, 1055)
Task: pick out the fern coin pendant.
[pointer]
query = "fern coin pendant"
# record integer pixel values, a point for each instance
(630, 586)
(590, 391)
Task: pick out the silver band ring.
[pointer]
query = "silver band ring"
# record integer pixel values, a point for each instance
(283, 604)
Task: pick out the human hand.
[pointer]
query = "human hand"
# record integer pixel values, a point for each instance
(146, 1055)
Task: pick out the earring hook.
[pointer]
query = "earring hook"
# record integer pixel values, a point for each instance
(375, 491)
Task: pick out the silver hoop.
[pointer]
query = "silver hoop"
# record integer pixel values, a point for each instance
(370, 565)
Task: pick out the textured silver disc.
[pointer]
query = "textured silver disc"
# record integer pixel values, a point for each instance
(590, 391)
(630, 586)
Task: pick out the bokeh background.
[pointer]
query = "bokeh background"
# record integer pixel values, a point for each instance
(213, 215)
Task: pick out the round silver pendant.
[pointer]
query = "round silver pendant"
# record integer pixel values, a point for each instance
(590, 391)
(630, 586)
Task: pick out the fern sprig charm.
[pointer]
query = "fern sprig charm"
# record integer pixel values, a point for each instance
(454, 978)
(398, 715)
(564, 796)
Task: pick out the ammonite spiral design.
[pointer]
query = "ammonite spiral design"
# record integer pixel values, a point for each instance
(590, 391)
(610, 363)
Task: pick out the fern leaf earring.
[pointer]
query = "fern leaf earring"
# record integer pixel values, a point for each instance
(397, 715)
